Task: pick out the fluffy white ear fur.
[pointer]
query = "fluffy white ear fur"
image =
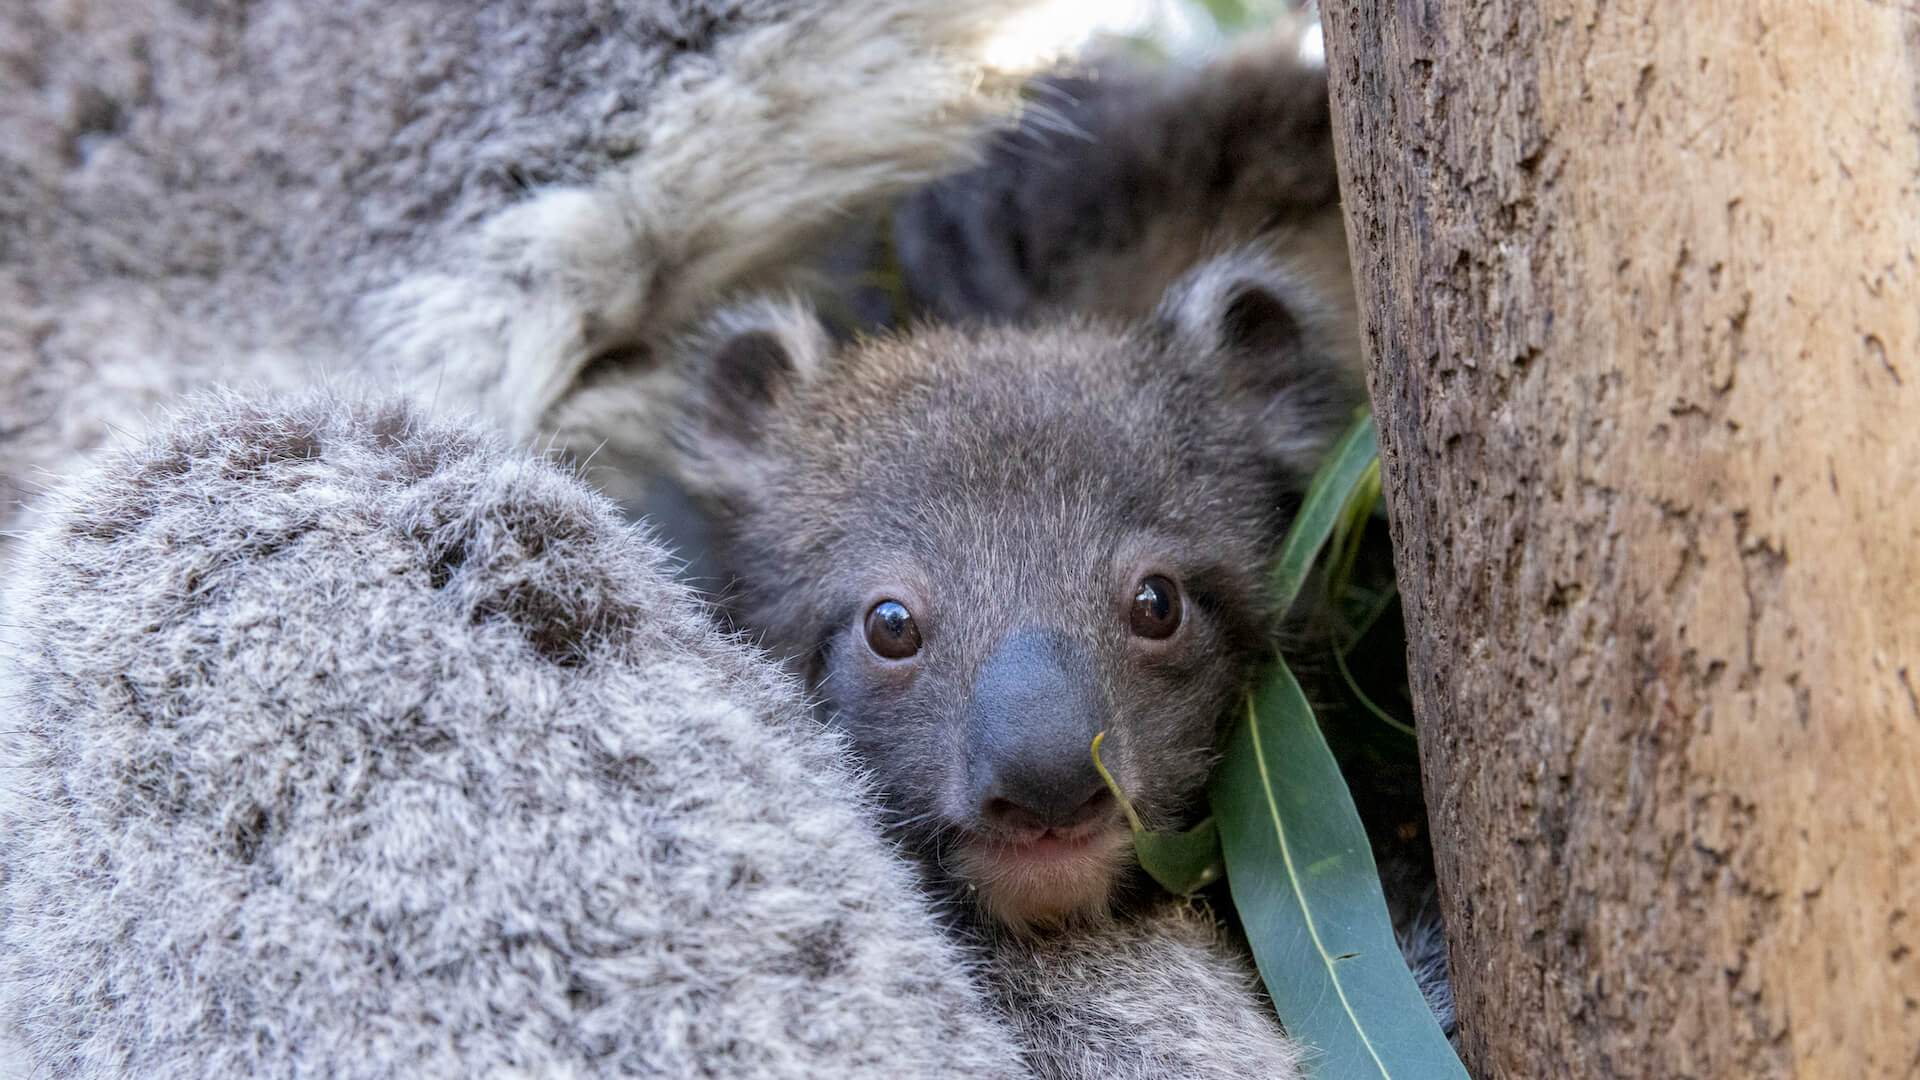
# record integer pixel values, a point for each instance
(790, 126)
(1209, 306)
(466, 199)
(1284, 340)
(790, 318)
(737, 364)
(787, 325)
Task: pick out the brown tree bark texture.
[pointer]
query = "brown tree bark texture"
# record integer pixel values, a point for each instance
(1641, 306)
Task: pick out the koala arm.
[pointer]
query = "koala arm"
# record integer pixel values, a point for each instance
(794, 122)
(346, 743)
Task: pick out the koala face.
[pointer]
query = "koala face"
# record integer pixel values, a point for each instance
(985, 547)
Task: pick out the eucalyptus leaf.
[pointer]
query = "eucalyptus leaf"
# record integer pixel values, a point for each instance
(1350, 529)
(1304, 882)
(1299, 865)
(1333, 486)
(1182, 862)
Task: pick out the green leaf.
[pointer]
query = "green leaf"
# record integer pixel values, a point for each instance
(1304, 882)
(1350, 529)
(1239, 16)
(1298, 862)
(1182, 862)
(1330, 491)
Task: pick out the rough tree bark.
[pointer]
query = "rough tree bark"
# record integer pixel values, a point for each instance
(1641, 306)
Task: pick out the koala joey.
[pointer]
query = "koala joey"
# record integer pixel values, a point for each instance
(987, 541)
(985, 545)
(982, 543)
(1123, 176)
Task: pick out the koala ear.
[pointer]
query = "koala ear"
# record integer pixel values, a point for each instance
(740, 366)
(1285, 347)
(747, 358)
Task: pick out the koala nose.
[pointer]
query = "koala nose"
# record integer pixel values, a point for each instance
(1038, 811)
(1030, 723)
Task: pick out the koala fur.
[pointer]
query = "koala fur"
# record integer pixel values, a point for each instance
(350, 743)
(345, 740)
(471, 201)
(1177, 999)
(355, 744)
(1125, 176)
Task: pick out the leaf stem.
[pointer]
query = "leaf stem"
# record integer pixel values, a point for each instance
(1340, 661)
(1126, 806)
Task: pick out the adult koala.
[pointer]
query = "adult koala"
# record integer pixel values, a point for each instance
(471, 200)
(347, 740)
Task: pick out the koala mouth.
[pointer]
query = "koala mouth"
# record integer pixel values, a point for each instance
(1050, 877)
(1051, 844)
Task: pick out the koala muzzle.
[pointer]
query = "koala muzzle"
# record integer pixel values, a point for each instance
(1033, 715)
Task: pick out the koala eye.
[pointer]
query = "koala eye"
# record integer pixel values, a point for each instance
(1156, 608)
(891, 631)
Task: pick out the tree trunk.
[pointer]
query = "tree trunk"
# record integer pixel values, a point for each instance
(1640, 302)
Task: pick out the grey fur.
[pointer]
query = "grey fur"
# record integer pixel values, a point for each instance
(1413, 903)
(1171, 996)
(1423, 941)
(997, 480)
(287, 790)
(470, 199)
(350, 744)
(1126, 176)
